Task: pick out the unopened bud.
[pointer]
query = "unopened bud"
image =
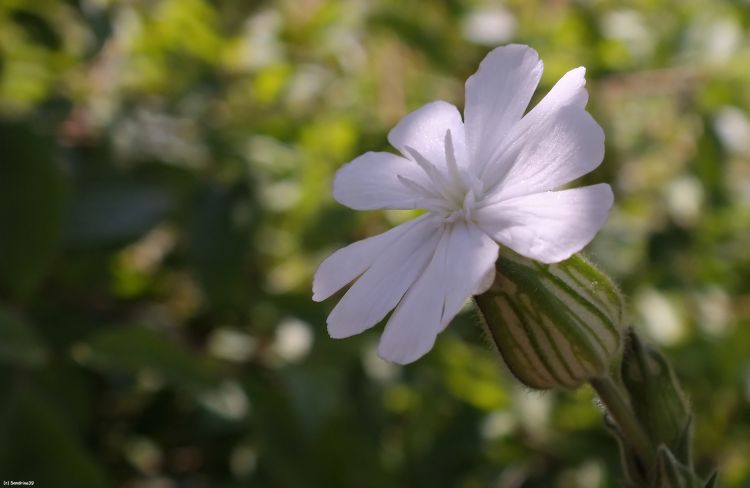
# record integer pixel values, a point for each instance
(556, 325)
(670, 473)
(657, 399)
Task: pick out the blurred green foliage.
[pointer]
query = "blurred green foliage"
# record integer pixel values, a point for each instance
(165, 198)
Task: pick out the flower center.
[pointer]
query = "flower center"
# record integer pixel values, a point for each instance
(462, 214)
(464, 211)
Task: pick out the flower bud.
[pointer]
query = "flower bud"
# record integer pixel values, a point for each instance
(555, 325)
(670, 473)
(657, 399)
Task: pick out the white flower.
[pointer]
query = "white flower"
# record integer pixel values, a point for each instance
(485, 181)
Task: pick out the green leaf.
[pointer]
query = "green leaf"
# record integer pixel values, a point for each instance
(37, 444)
(19, 343)
(32, 206)
(131, 349)
(219, 236)
(114, 212)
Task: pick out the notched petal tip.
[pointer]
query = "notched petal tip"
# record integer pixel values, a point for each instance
(504, 59)
(335, 332)
(510, 49)
(550, 226)
(572, 81)
(318, 295)
(403, 357)
(319, 289)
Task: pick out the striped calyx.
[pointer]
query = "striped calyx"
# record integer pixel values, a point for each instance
(556, 325)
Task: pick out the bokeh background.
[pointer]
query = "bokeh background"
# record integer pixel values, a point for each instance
(165, 173)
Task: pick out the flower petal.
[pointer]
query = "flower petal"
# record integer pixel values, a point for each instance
(550, 226)
(371, 182)
(462, 265)
(380, 288)
(344, 265)
(496, 98)
(555, 143)
(424, 130)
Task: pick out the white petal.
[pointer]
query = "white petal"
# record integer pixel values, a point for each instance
(371, 182)
(462, 264)
(569, 90)
(496, 98)
(551, 226)
(344, 265)
(425, 129)
(380, 288)
(555, 143)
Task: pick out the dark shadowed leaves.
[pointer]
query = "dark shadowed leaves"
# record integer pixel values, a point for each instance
(112, 212)
(38, 444)
(218, 237)
(132, 349)
(19, 343)
(32, 205)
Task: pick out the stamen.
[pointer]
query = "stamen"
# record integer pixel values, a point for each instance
(450, 157)
(436, 205)
(448, 190)
(414, 186)
(426, 166)
(476, 185)
(426, 198)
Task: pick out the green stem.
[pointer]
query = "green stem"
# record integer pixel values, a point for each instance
(619, 409)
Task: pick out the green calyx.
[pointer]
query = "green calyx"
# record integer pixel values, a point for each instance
(562, 325)
(662, 410)
(657, 398)
(556, 325)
